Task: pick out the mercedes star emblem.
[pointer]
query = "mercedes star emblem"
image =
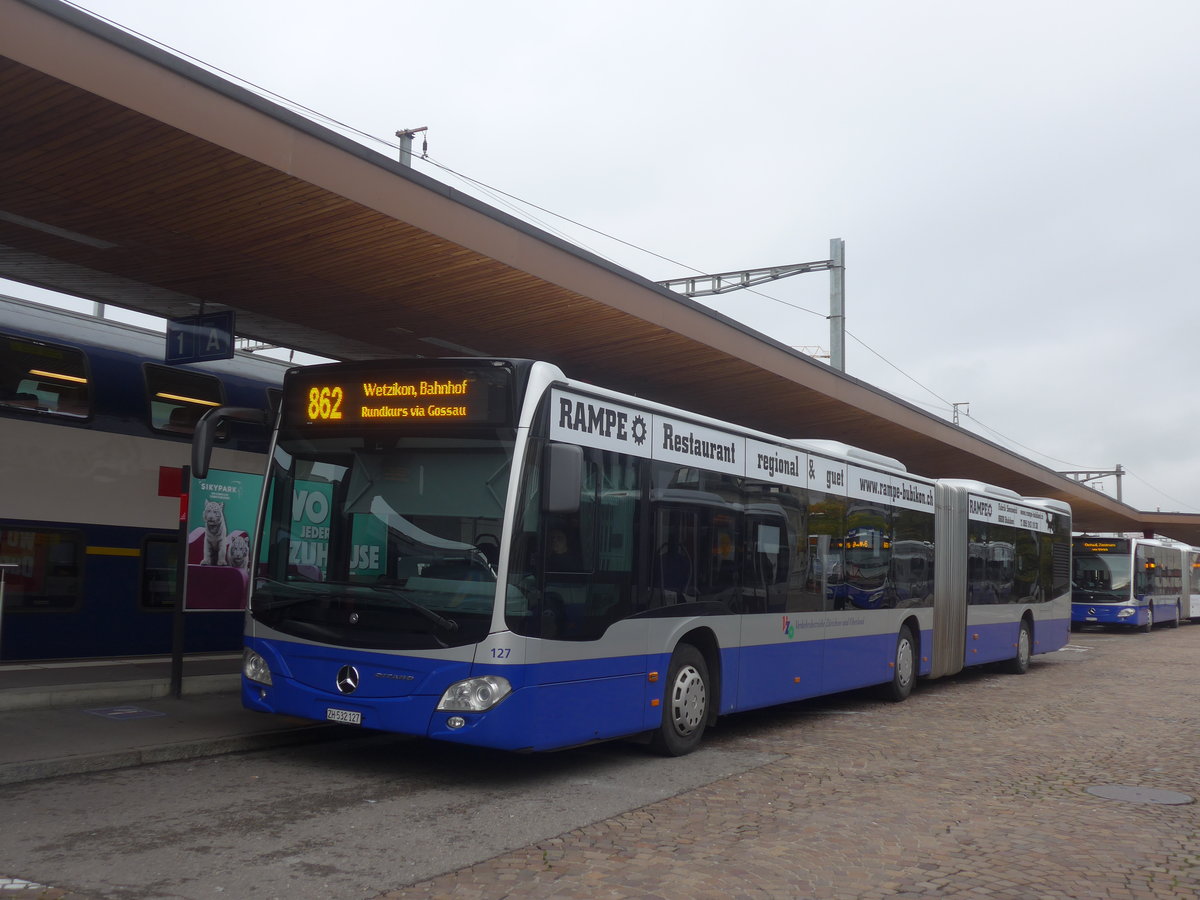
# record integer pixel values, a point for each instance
(347, 679)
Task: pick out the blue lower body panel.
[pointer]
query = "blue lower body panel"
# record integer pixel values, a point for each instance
(551, 705)
(997, 642)
(393, 693)
(990, 643)
(1110, 614)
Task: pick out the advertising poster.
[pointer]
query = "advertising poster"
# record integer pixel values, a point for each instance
(309, 547)
(221, 511)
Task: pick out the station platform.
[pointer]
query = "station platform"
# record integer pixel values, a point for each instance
(62, 718)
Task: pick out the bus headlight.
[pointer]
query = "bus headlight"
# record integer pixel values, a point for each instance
(1126, 613)
(475, 694)
(254, 667)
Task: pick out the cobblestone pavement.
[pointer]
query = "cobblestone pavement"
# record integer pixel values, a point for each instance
(976, 787)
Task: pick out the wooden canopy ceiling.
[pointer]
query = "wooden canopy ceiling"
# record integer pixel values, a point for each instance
(134, 178)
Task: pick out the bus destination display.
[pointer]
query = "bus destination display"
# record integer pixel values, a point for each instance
(1094, 545)
(388, 397)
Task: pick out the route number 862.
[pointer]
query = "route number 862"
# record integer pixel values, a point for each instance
(325, 403)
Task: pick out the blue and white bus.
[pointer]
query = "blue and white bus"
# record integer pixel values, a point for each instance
(89, 417)
(1191, 583)
(486, 551)
(1132, 582)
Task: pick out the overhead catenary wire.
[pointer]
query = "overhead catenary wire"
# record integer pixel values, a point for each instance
(1072, 465)
(1161, 492)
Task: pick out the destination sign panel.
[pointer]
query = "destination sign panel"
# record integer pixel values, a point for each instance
(1102, 545)
(390, 397)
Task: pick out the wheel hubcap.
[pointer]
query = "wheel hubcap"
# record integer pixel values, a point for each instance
(688, 700)
(904, 662)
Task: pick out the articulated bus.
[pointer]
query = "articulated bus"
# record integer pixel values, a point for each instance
(89, 416)
(1191, 582)
(488, 552)
(1133, 582)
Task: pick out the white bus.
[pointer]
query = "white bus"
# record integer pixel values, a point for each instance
(1191, 575)
(1131, 582)
(489, 552)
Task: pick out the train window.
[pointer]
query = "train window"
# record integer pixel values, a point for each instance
(49, 569)
(43, 379)
(179, 398)
(160, 558)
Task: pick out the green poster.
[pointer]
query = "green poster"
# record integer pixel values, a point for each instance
(221, 512)
(367, 560)
(311, 521)
(309, 550)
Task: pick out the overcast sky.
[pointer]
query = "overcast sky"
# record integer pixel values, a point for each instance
(1016, 182)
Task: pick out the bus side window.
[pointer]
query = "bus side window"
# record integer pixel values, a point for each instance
(563, 546)
(673, 563)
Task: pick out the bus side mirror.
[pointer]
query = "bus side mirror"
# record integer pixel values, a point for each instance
(562, 478)
(206, 431)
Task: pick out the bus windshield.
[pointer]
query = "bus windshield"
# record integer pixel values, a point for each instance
(1102, 578)
(385, 547)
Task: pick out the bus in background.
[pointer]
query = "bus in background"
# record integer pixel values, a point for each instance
(1132, 582)
(89, 416)
(1191, 591)
(495, 554)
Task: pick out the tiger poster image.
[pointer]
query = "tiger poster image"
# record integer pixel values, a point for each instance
(221, 516)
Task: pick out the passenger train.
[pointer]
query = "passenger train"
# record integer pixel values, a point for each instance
(90, 418)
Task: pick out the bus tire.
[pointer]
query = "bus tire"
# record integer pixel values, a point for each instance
(1149, 626)
(904, 667)
(1019, 664)
(1178, 615)
(685, 705)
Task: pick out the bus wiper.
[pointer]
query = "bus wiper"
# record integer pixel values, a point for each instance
(263, 602)
(320, 591)
(442, 621)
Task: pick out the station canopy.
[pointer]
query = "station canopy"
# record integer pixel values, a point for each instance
(134, 178)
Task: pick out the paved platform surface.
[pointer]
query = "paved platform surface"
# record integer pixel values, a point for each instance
(67, 718)
(977, 787)
(1076, 780)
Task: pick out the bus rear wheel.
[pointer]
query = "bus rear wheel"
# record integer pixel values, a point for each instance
(685, 707)
(1019, 664)
(904, 667)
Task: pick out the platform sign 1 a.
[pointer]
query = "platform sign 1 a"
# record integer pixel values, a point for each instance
(200, 338)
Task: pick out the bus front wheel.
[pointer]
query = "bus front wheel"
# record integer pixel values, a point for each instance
(685, 706)
(1149, 626)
